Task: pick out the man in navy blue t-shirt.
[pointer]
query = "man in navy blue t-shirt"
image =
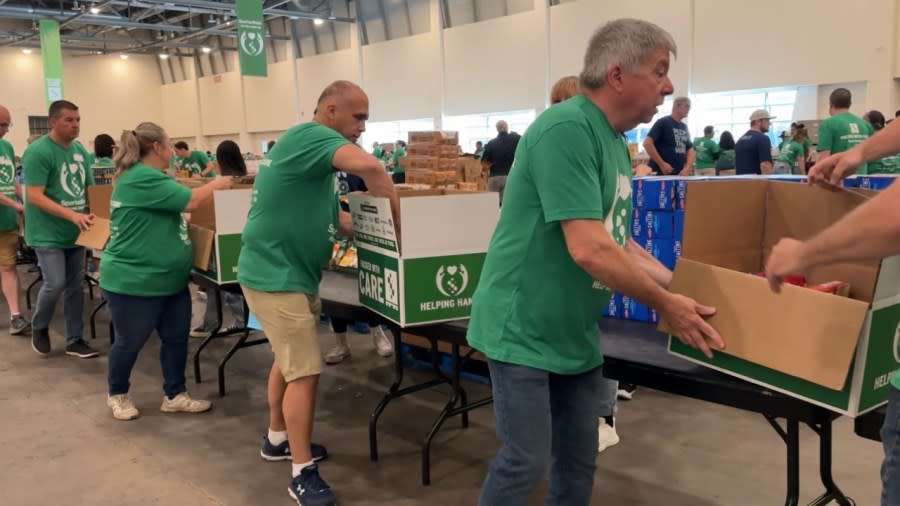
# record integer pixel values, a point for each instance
(753, 151)
(669, 142)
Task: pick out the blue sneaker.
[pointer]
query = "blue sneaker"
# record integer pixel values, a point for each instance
(309, 489)
(274, 453)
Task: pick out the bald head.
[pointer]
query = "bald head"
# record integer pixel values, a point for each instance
(344, 107)
(5, 121)
(502, 127)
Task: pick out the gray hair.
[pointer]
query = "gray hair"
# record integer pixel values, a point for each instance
(625, 42)
(681, 101)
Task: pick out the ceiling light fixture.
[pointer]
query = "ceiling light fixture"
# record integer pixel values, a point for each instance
(318, 21)
(163, 56)
(95, 9)
(26, 51)
(207, 50)
(123, 56)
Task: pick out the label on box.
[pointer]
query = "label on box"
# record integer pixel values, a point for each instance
(667, 251)
(379, 283)
(228, 247)
(373, 223)
(653, 193)
(884, 335)
(613, 307)
(440, 288)
(678, 228)
(875, 182)
(653, 224)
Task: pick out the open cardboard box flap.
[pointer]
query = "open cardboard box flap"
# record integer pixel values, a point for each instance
(96, 236)
(98, 197)
(202, 240)
(729, 230)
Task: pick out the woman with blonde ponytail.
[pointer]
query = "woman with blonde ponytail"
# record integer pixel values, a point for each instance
(146, 265)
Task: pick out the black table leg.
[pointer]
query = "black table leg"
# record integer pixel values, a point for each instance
(213, 335)
(832, 491)
(442, 417)
(791, 439)
(30, 287)
(94, 318)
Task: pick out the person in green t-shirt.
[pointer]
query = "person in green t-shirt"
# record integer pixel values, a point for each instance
(399, 175)
(479, 149)
(566, 218)
(10, 210)
(868, 233)
(791, 159)
(146, 265)
(195, 162)
(281, 261)
(889, 164)
(377, 152)
(57, 172)
(843, 129)
(707, 152)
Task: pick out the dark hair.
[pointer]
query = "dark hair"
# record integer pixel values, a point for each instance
(402, 143)
(726, 141)
(897, 114)
(181, 145)
(876, 119)
(56, 108)
(708, 129)
(840, 98)
(103, 146)
(230, 160)
(270, 145)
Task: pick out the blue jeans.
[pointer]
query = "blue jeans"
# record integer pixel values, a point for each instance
(234, 303)
(890, 439)
(609, 390)
(63, 273)
(134, 319)
(540, 417)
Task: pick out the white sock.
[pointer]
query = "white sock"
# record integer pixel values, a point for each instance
(296, 468)
(276, 437)
(341, 339)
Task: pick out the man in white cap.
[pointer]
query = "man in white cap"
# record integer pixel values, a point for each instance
(753, 151)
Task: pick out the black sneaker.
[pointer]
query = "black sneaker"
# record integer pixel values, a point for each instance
(81, 349)
(274, 453)
(18, 325)
(40, 341)
(309, 489)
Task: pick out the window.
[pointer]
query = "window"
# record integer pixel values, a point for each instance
(639, 133)
(38, 125)
(385, 132)
(483, 127)
(731, 111)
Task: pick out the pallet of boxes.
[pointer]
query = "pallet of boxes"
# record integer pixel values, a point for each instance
(433, 161)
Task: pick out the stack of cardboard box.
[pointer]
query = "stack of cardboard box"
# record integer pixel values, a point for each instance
(431, 159)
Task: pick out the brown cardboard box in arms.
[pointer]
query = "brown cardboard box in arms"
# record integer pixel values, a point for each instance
(800, 332)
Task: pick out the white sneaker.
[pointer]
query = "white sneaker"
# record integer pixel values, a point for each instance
(383, 345)
(607, 435)
(337, 354)
(184, 403)
(122, 408)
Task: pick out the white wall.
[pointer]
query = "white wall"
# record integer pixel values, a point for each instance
(180, 109)
(271, 102)
(314, 73)
(112, 94)
(402, 77)
(221, 107)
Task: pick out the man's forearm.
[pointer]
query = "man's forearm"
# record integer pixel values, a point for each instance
(870, 231)
(8, 202)
(691, 156)
(613, 267)
(882, 144)
(44, 203)
(651, 266)
(650, 148)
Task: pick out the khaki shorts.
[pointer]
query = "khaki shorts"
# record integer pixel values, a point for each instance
(289, 320)
(705, 172)
(9, 247)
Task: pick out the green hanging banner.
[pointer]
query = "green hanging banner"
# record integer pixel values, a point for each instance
(251, 38)
(51, 56)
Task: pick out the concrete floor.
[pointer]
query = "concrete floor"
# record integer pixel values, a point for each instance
(61, 445)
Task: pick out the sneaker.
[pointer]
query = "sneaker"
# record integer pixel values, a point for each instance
(383, 345)
(309, 489)
(81, 349)
(626, 391)
(201, 295)
(122, 408)
(40, 341)
(607, 435)
(184, 403)
(337, 354)
(274, 453)
(201, 332)
(18, 325)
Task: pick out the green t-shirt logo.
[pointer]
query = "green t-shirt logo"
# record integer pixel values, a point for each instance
(854, 128)
(251, 43)
(452, 280)
(71, 178)
(897, 344)
(620, 211)
(7, 171)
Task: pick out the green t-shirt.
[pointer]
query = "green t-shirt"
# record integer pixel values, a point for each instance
(293, 213)
(195, 163)
(149, 253)
(843, 131)
(887, 165)
(395, 158)
(378, 152)
(707, 150)
(103, 162)
(9, 219)
(569, 165)
(64, 173)
(790, 151)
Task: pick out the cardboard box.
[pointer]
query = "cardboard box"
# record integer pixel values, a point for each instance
(832, 351)
(96, 236)
(215, 231)
(444, 238)
(436, 137)
(678, 229)
(432, 149)
(653, 224)
(98, 197)
(653, 193)
(427, 163)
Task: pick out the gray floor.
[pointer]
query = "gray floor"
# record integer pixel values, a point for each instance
(60, 444)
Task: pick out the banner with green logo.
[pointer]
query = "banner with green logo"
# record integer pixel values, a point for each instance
(51, 55)
(251, 38)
